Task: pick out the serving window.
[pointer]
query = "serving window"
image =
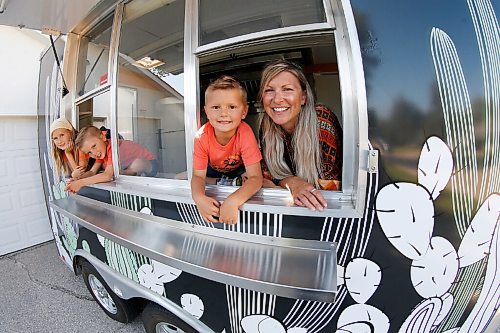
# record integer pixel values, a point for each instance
(325, 44)
(167, 52)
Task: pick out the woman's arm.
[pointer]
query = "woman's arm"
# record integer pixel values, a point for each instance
(303, 193)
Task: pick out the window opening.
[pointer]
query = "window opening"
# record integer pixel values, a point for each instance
(317, 57)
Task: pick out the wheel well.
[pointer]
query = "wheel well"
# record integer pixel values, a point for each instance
(77, 264)
(138, 302)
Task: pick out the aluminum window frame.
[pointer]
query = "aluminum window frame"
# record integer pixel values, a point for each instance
(340, 21)
(350, 201)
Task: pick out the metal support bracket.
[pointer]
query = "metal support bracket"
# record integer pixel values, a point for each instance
(372, 161)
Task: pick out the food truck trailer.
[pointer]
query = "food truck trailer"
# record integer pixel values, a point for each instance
(409, 244)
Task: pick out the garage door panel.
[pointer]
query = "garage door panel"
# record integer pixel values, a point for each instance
(3, 168)
(18, 133)
(25, 163)
(21, 199)
(38, 230)
(10, 235)
(31, 197)
(23, 213)
(21, 168)
(6, 202)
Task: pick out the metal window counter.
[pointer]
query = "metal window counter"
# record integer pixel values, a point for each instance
(293, 268)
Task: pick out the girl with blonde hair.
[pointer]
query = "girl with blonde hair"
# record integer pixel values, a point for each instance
(300, 141)
(68, 160)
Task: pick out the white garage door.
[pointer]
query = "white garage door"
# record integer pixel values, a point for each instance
(23, 214)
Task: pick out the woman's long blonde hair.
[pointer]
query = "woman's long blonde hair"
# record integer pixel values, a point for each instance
(61, 166)
(305, 141)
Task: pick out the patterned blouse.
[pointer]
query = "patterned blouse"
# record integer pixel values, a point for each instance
(330, 137)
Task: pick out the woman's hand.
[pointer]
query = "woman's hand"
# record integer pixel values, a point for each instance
(304, 194)
(209, 208)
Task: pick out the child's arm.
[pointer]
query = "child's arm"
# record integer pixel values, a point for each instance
(106, 176)
(79, 170)
(208, 207)
(71, 160)
(229, 208)
(95, 167)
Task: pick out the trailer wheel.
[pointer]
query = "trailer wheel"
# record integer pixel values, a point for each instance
(115, 307)
(158, 320)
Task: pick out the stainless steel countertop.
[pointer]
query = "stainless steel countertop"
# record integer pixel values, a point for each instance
(285, 267)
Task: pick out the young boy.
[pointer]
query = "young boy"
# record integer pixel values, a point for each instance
(134, 158)
(225, 146)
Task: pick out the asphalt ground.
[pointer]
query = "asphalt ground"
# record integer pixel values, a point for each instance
(39, 293)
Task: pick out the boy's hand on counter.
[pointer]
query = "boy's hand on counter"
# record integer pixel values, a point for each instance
(73, 186)
(209, 208)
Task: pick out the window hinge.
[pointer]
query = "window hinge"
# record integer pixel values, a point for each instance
(372, 161)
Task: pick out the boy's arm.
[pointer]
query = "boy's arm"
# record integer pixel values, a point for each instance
(208, 207)
(95, 167)
(79, 171)
(106, 176)
(229, 209)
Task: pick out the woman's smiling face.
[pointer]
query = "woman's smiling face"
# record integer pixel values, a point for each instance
(283, 98)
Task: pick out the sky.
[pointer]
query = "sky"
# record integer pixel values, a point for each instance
(401, 30)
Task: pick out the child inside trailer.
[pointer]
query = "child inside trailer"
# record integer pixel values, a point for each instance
(225, 147)
(68, 160)
(135, 160)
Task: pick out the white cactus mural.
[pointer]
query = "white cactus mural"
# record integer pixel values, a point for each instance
(446, 305)
(477, 239)
(436, 271)
(406, 214)
(266, 324)
(423, 317)
(489, 299)
(435, 166)
(193, 304)
(359, 317)
(433, 274)
(362, 277)
(156, 274)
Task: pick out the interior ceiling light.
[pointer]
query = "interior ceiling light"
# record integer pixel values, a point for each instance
(148, 63)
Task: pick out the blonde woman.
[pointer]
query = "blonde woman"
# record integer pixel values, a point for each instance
(301, 142)
(68, 160)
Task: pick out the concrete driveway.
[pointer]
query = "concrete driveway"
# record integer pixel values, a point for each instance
(39, 293)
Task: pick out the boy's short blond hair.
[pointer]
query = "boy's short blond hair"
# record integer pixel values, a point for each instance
(226, 82)
(86, 133)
